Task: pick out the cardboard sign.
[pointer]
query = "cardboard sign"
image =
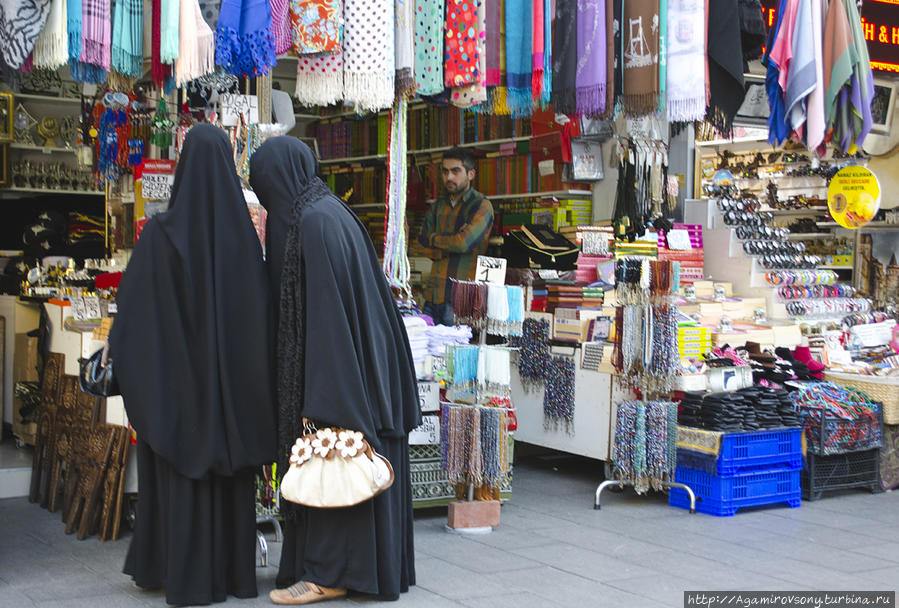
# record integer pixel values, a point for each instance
(853, 197)
(79, 310)
(92, 307)
(235, 105)
(429, 396)
(426, 434)
(491, 270)
(157, 186)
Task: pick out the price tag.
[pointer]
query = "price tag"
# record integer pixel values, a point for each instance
(548, 274)
(546, 167)
(157, 186)
(679, 240)
(79, 310)
(235, 105)
(92, 307)
(113, 308)
(426, 434)
(491, 270)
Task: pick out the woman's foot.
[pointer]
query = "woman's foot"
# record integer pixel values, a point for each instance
(305, 593)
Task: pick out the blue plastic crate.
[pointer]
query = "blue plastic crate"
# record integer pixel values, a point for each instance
(750, 451)
(723, 495)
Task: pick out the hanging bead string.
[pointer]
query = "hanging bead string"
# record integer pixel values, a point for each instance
(533, 360)
(474, 446)
(645, 448)
(656, 443)
(470, 304)
(558, 399)
(672, 439)
(396, 261)
(497, 310)
(515, 296)
(641, 481)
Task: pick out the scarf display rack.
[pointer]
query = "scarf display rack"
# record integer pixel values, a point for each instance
(498, 309)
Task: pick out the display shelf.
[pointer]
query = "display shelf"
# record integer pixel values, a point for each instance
(799, 236)
(868, 226)
(836, 267)
(797, 212)
(474, 144)
(730, 142)
(46, 98)
(353, 159)
(547, 194)
(49, 191)
(301, 116)
(44, 149)
(368, 206)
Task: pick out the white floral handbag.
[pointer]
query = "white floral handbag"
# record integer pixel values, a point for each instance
(332, 467)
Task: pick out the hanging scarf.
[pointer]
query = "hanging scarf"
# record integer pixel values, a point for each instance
(96, 25)
(801, 80)
(815, 105)
(546, 97)
(500, 94)
(461, 43)
(725, 65)
(21, 22)
(428, 68)
(128, 37)
(641, 57)
(243, 37)
(591, 65)
(610, 57)
(317, 26)
(81, 72)
(196, 49)
(518, 57)
(493, 42)
(168, 29)
(856, 117)
(368, 54)
(281, 22)
(618, 43)
(565, 46)
(475, 93)
(159, 71)
(51, 50)
(405, 40)
(537, 49)
(663, 53)
(686, 51)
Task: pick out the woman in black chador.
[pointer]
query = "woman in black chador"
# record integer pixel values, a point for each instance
(192, 357)
(343, 360)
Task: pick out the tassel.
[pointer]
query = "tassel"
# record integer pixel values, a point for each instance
(318, 89)
(591, 101)
(369, 92)
(500, 101)
(519, 102)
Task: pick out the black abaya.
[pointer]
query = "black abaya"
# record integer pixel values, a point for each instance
(192, 358)
(344, 360)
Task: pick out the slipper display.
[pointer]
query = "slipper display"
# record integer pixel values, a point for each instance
(749, 409)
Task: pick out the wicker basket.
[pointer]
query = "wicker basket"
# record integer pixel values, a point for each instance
(878, 388)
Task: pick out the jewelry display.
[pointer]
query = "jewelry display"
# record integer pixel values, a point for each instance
(533, 357)
(23, 123)
(475, 444)
(51, 176)
(645, 448)
(558, 398)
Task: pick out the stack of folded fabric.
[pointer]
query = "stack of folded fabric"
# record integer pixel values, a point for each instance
(749, 409)
(417, 330)
(439, 336)
(540, 298)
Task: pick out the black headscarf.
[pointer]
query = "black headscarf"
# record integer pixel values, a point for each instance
(343, 354)
(725, 54)
(190, 341)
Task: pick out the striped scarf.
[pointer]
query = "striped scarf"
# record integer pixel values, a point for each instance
(128, 37)
(518, 57)
(96, 26)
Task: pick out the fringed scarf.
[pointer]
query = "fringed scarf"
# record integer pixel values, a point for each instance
(159, 71)
(243, 37)
(404, 33)
(686, 44)
(641, 57)
(196, 49)
(461, 43)
(81, 72)
(547, 52)
(493, 42)
(618, 43)
(499, 94)
(51, 50)
(475, 93)
(518, 57)
(21, 22)
(128, 37)
(565, 46)
(610, 55)
(725, 65)
(317, 26)
(663, 52)
(168, 30)
(537, 48)
(428, 68)
(96, 39)
(590, 81)
(319, 79)
(281, 30)
(368, 54)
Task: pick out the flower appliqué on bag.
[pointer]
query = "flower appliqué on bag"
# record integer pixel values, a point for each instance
(324, 442)
(350, 443)
(301, 451)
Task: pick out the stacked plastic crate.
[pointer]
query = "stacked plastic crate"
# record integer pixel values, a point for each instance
(751, 469)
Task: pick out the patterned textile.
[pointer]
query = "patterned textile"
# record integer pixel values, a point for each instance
(316, 25)
(429, 21)
(405, 42)
(461, 50)
(243, 37)
(369, 60)
(456, 236)
(319, 79)
(281, 25)
(475, 93)
(21, 22)
(52, 47)
(96, 30)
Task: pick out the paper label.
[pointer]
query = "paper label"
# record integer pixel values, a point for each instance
(678, 239)
(92, 307)
(548, 274)
(873, 334)
(235, 105)
(113, 308)
(546, 167)
(157, 186)
(79, 310)
(429, 396)
(491, 270)
(426, 434)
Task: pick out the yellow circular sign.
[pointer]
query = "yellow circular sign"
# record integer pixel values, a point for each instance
(853, 197)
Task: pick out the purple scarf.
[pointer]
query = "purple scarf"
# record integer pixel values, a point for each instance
(96, 23)
(590, 81)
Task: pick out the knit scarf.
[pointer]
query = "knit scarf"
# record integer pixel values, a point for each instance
(128, 37)
(565, 46)
(537, 49)
(281, 30)
(404, 33)
(52, 47)
(96, 25)
(429, 22)
(686, 49)
(319, 79)
(168, 29)
(590, 81)
(21, 22)
(518, 57)
(317, 26)
(475, 93)
(461, 43)
(243, 37)
(368, 54)
(640, 32)
(196, 47)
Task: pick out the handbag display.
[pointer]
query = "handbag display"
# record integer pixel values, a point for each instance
(332, 468)
(96, 376)
(523, 251)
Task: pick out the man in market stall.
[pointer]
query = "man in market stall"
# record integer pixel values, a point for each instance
(455, 232)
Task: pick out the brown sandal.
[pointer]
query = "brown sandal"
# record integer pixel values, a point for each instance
(305, 592)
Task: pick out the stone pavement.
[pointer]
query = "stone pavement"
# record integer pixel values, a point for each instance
(552, 549)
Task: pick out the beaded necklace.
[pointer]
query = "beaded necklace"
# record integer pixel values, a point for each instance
(533, 360)
(558, 398)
